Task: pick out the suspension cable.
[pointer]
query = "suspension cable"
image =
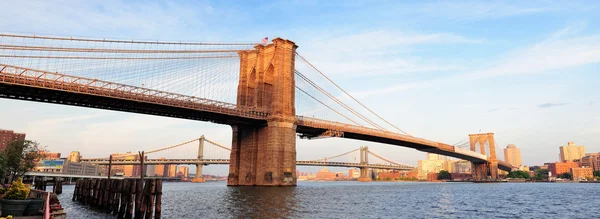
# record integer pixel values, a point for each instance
(338, 155)
(217, 144)
(350, 95)
(387, 160)
(338, 101)
(311, 96)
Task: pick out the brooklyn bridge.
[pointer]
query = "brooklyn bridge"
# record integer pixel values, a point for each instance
(267, 92)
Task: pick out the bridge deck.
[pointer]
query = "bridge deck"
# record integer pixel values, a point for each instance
(226, 161)
(42, 86)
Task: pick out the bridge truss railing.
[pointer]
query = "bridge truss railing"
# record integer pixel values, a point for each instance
(62, 82)
(342, 127)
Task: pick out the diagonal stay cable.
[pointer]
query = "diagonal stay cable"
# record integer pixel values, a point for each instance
(311, 96)
(338, 101)
(350, 95)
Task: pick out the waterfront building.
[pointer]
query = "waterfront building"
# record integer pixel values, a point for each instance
(150, 170)
(67, 167)
(160, 170)
(561, 167)
(81, 168)
(127, 170)
(172, 170)
(7, 136)
(74, 156)
(512, 155)
(431, 165)
(580, 173)
(591, 160)
(325, 174)
(354, 173)
(571, 152)
(52, 166)
(183, 171)
(47, 155)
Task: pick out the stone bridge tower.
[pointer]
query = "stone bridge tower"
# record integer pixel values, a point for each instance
(265, 154)
(481, 171)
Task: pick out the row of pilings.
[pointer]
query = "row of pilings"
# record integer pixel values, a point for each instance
(124, 198)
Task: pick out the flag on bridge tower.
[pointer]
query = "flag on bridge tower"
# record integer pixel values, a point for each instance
(265, 40)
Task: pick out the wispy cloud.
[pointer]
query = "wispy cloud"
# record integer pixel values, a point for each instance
(548, 105)
(559, 51)
(378, 52)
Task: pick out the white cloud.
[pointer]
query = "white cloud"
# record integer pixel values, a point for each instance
(561, 50)
(376, 53)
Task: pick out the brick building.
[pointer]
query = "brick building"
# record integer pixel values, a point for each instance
(388, 175)
(591, 160)
(50, 155)
(561, 167)
(580, 173)
(7, 136)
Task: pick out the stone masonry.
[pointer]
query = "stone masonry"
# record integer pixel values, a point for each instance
(265, 154)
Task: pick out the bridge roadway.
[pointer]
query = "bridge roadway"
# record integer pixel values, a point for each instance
(226, 161)
(43, 86)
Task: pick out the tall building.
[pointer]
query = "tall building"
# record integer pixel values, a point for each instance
(7, 136)
(429, 166)
(74, 157)
(128, 170)
(512, 155)
(591, 160)
(571, 152)
(161, 170)
(184, 171)
(172, 170)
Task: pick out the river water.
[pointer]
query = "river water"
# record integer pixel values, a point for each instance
(370, 200)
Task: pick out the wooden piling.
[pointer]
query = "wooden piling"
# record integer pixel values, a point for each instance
(131, 198)
(158, 206)
(117, 196)
(124, 196)
(150, 198)
(106, 197)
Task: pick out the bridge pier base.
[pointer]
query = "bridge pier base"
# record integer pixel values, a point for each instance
(364, 175)
(263, 156)
(485, 171)
(198, 178)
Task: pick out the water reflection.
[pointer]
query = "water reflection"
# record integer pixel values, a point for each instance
(369, 200)
(261, 202)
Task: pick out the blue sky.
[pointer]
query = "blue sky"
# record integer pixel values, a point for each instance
(525, 70)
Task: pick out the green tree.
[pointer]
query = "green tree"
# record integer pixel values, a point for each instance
(518, 174)
(566, 175)
(19, 158)
(597, 173)
(444, 175)
(540, 175)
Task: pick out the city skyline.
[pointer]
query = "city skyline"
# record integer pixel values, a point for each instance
(440, 59)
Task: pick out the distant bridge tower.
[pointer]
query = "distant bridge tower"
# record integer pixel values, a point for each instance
(265, 154)
(364, 159)
(198, 177)
(489, 169)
